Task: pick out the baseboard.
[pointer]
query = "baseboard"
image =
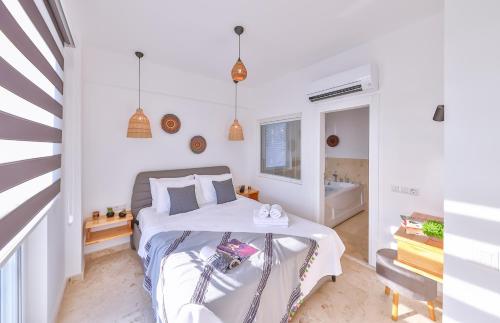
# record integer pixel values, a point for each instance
(60, 297)
(358, 261)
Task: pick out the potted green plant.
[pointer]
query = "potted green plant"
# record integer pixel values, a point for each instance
(110, 213)
(433, 229)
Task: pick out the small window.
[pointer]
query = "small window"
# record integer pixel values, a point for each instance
(280, 148)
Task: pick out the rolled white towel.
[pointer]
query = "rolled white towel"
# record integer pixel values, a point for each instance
(276, 211)
(264, 211)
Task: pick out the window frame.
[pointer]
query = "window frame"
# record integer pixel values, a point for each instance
(280, 119)
(17, 255)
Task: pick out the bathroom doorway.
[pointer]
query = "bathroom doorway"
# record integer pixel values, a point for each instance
(347, 178)
(348, 173)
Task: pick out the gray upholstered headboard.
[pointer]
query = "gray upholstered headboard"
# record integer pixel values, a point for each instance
(141, 193)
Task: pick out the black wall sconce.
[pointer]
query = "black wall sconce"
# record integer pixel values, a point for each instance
(439, 113)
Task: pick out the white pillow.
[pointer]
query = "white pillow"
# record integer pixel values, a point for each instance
(163, 198)
(206, 186)
(153, 186)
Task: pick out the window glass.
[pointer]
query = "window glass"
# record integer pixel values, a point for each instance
(10, 288)
(280, 148)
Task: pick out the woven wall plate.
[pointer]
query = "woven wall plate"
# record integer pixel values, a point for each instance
(198, 144)
(170, 123)
(332, 141)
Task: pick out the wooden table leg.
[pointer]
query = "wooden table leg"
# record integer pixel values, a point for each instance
(432, 312)
(387, 291)
(395, 302)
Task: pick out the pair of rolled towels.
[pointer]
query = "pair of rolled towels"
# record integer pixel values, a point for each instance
(274, 211)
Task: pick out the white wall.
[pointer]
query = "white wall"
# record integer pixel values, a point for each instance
(111, 161)
(472, 156)
(410, 61)
(72, 143)
(352, 128)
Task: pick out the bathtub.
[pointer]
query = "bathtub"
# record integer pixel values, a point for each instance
(342, 201)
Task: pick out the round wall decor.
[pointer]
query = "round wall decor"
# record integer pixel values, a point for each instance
(198, 144)
(170, 123)
(332, 141)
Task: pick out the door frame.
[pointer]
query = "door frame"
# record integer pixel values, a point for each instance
(348, 103)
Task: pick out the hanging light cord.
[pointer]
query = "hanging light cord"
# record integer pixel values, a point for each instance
(139, 82)
(239, 46)
(235, 100)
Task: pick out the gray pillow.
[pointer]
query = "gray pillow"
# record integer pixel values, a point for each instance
(182, 199)
(224, 191)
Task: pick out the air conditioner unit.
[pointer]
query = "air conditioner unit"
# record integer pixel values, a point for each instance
(360, 79)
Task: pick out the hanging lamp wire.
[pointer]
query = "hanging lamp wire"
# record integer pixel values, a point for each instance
(139, 81)
(235, 100)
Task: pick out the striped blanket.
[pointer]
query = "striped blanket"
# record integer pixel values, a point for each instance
(178, 271)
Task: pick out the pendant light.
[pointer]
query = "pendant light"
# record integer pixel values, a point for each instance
(138, 125)
(236, 131)
(239, 71)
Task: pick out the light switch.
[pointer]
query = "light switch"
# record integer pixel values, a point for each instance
(405, 190)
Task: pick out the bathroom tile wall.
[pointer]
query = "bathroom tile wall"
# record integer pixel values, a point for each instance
(356, 170)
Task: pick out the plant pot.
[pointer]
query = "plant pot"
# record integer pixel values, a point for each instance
(122, 214)
(110, 213)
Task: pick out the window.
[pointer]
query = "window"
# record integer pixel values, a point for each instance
(280, 148)
(31, 109)
(10, 289)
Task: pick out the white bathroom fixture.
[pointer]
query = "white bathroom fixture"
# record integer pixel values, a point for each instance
(360, 79)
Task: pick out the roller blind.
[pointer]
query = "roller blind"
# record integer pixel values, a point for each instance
(33, 34)
(280, 148)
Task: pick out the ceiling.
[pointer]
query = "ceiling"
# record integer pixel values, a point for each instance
(280, 35)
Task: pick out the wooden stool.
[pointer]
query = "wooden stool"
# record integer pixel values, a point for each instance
(403, 281)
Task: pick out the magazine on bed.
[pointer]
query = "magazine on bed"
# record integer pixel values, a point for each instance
(236, 248)
(232, 254)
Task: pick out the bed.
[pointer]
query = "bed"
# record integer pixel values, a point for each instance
(267, 287)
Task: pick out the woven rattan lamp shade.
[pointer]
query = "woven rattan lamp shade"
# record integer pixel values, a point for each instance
(138, 125)
(236, 131)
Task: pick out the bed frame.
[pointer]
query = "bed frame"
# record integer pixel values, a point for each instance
(141, 193)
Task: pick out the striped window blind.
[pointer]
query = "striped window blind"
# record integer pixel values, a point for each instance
(33, 34)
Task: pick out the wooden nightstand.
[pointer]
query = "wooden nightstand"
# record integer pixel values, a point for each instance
(251, 194)
(124, 230)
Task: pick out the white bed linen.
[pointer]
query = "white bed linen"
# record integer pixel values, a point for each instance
(237, 216)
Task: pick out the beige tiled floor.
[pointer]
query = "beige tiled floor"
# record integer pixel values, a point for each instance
(354, 234)
(112, 292)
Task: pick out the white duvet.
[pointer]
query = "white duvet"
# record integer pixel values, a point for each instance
(236, 216)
